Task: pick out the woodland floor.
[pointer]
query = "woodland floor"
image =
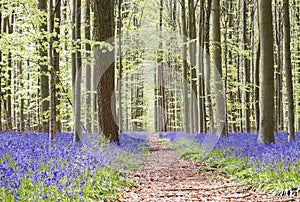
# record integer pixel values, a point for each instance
(167, 177)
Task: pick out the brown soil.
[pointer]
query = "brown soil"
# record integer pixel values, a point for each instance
(167, 177)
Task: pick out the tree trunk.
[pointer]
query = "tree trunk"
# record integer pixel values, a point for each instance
(88, 76)
(161, 91)
(120, 83)
(208, 66)
(44, 79)
(201, 92)
(73, 56)
(278, 73)
(186, 127)
(246, 69)
(52, 126)
(103, 32)
(56, 56)
(192, 47)
(266, 128)
(256, 88)
(219, 90)
(288, 69)
(1, 66)
(77, 121)
(8, 29)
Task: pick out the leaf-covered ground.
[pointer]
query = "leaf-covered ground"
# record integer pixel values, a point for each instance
(167, 177)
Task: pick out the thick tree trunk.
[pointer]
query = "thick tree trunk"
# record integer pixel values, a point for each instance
(104, 31)
(219, 90)
(288, 69)
(266, 128)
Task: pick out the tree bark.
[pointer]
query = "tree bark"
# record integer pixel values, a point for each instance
(77, 121)
(1, 66)
(192, 48)
(44, 79)
(208, 66)
(87, 28)
(266, 128)
(56, 56)
(120, 83)
(161, 89)
(246, 69)
(52, 126)
(186, 125)
(201, 91)
(103, 32)
(219, 90)
(288, 69)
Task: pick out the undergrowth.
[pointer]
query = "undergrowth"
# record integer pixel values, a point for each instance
(280, 179)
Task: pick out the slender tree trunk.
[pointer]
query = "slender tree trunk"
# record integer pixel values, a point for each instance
(44, 79)
(256, 88)
(9, 30)
(219, 90)
(22, 116)
(185, 70)
(201, 92)
(88, 77)
(103, 31)
(120, 64)
(192, 46)
(52, 126)
(288, 69)
(208, 66)
(246, 69)
(77, 121)
(161, 91)
(266, 128)
(278, 73)
(73, 55)
(1, 66)
(56, 56)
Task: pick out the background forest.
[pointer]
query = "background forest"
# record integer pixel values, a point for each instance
(156, 77)
(49, 65)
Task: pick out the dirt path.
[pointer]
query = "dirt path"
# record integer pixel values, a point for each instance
(167, 177)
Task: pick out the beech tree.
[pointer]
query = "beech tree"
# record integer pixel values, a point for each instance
(219, 90)
(104, 28)
(266, 127)
(288, 69)
(44, 79)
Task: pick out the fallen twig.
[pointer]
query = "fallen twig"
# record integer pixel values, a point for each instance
(201, 188)
(236, 196)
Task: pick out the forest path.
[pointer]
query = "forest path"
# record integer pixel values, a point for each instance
(167, 177)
